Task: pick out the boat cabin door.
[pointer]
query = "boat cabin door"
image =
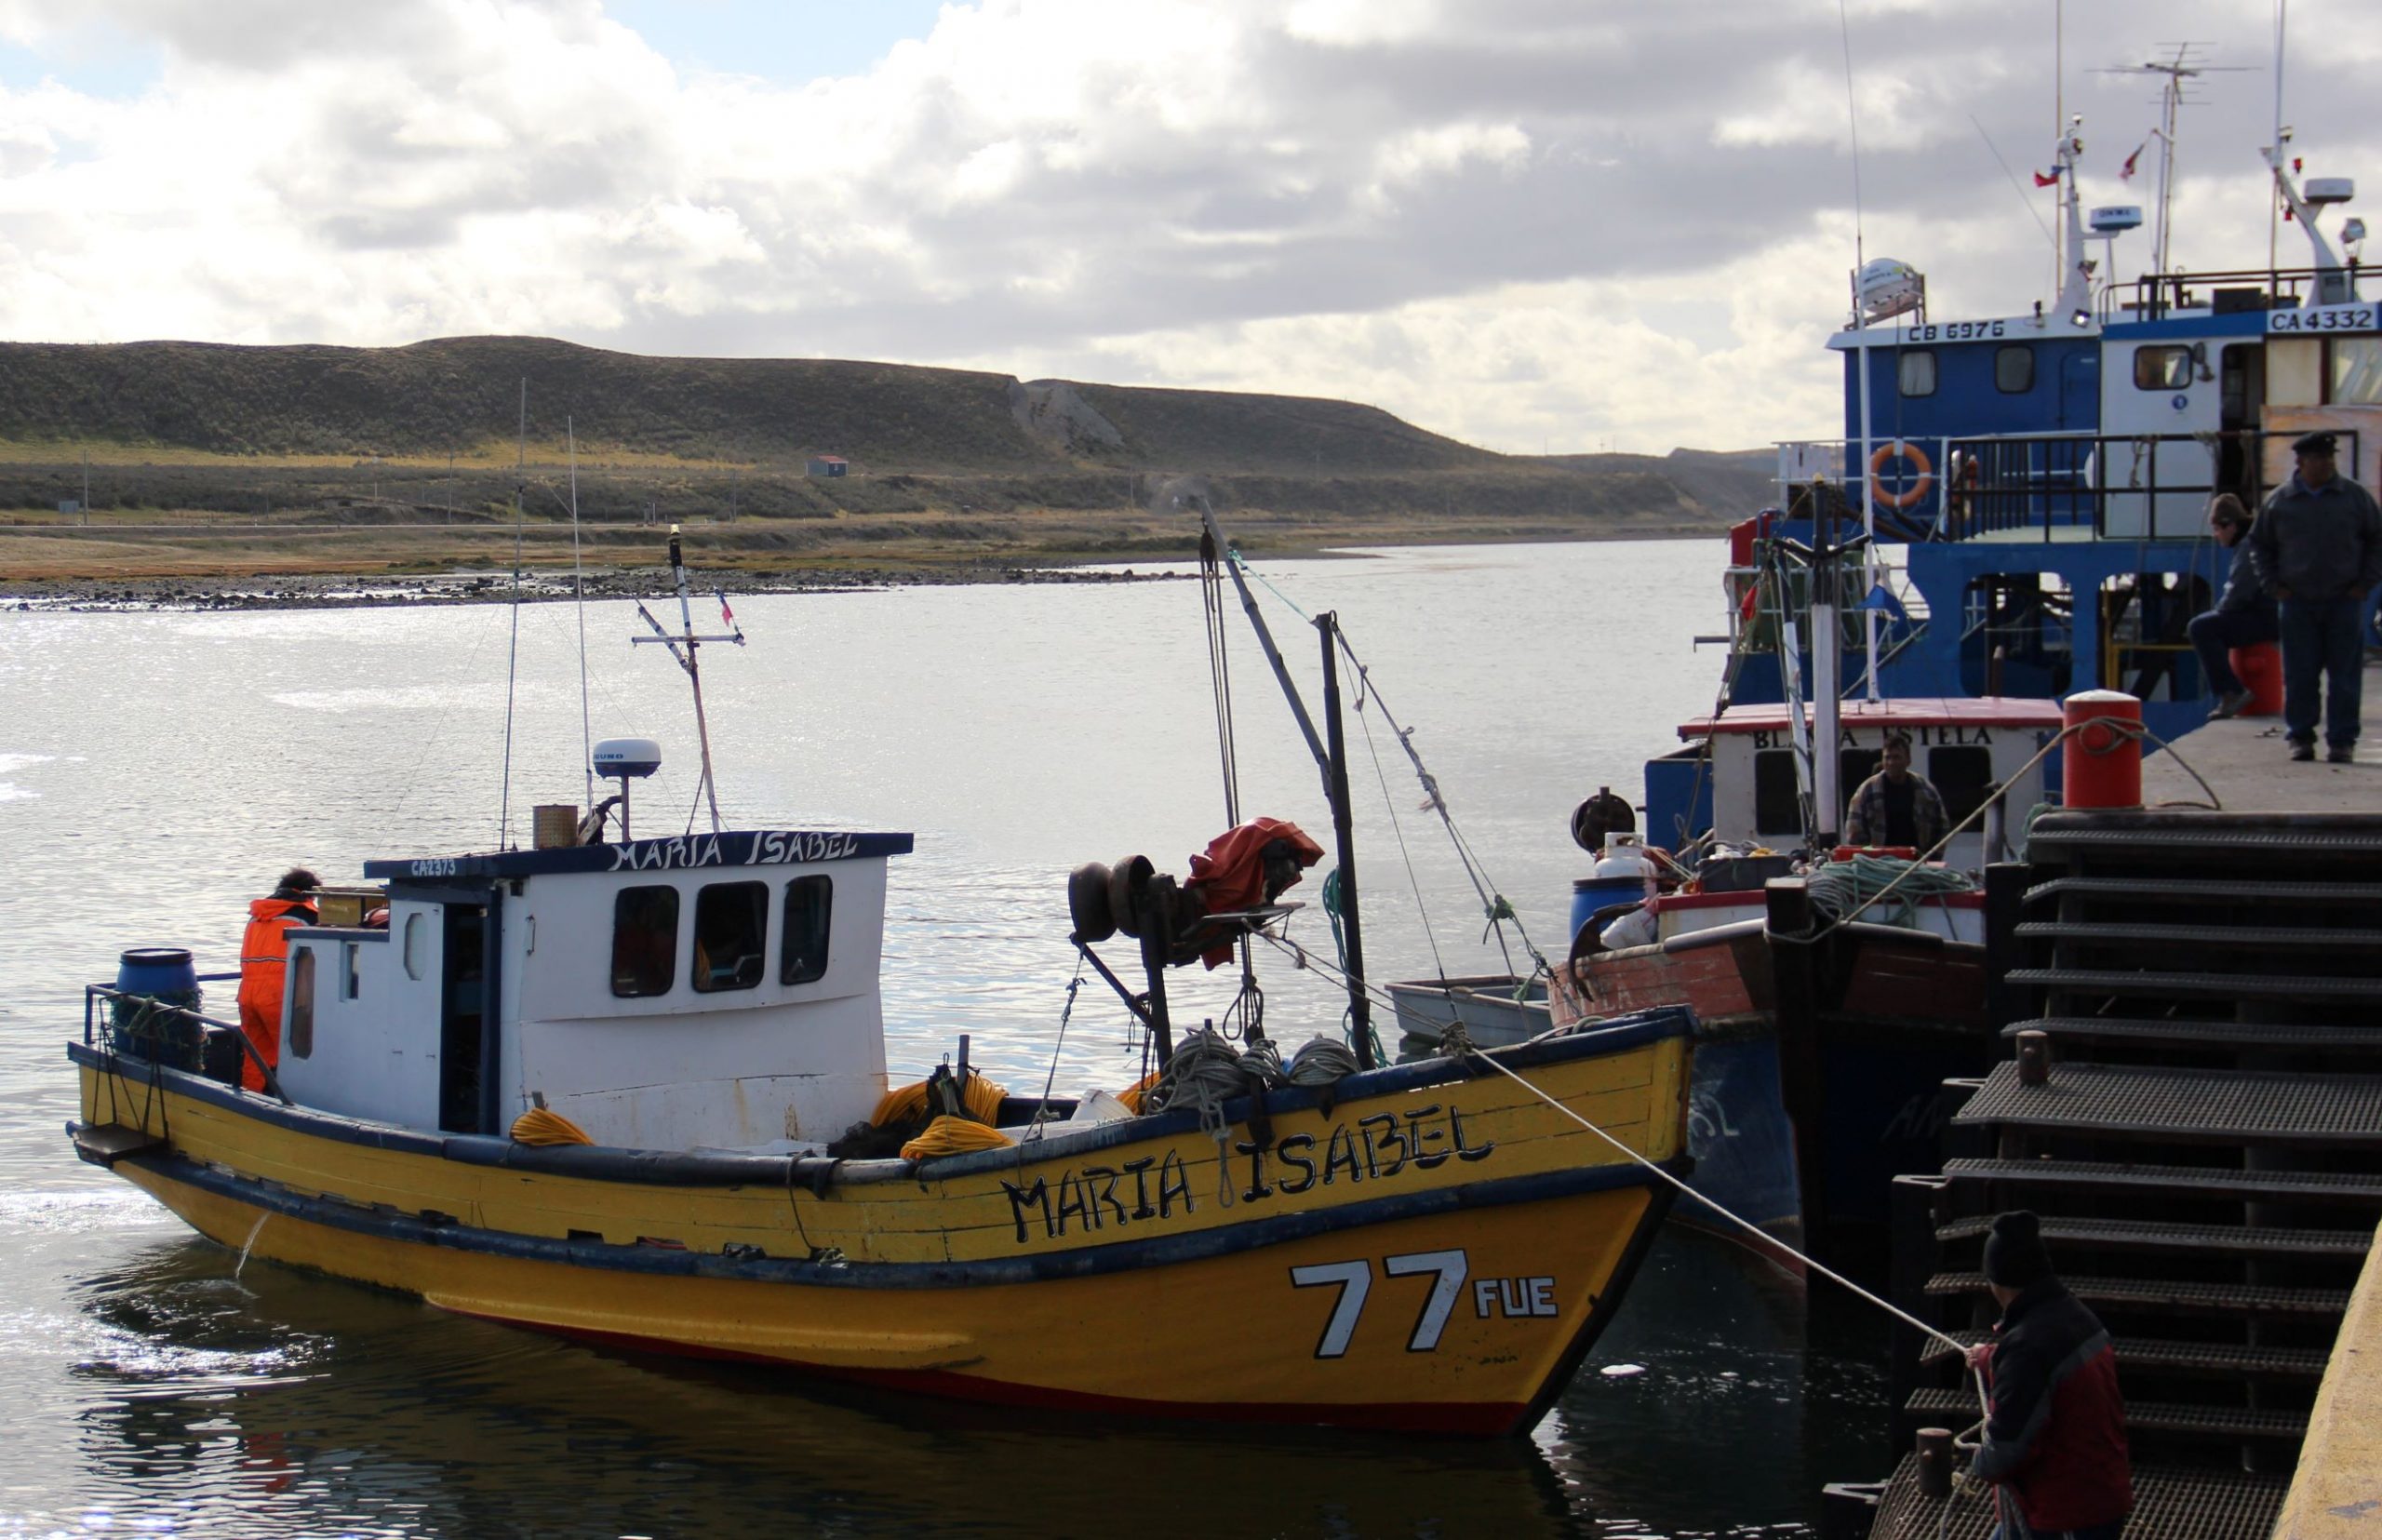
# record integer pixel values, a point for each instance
(2242, 376)
(468, 996)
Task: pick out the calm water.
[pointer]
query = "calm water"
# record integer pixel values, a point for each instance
(156, 770)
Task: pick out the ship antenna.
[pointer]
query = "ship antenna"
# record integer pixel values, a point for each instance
(513, 654)
(2274, 209)
(1852, 128)
(579, 585)
(684, 648)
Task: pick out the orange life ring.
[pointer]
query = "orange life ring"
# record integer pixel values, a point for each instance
(1920, 484)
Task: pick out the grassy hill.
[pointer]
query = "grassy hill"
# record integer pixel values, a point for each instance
(428, 435)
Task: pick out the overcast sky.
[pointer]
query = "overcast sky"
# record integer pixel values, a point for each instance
(1561, 225)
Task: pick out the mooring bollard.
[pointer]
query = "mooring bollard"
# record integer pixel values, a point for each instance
(1936, 1463)
(2101, 763)
(2034, 1058)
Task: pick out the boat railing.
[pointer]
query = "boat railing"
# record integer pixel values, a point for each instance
(160, 1032)
(2156, 296)
(2063, 486)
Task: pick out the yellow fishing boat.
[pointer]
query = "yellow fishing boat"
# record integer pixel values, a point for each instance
(601, 1089)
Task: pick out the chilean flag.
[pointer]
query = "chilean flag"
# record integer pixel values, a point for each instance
(2127, 174)
(2047, 178)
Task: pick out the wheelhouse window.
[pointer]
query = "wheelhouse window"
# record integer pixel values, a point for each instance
(2356, 374)
(2013, 370)
(645, 941)
(301, 1004)
(351, 969)
(2163, 368)
(1777, 800)
(1916, 371)
(731, 927)
(1853, 767)
(1962, 774)
(802, 958)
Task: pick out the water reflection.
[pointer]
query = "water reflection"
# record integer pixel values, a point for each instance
(367, 1412)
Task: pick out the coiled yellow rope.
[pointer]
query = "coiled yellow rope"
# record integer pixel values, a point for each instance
(538, 1125)
(949, 1135)
(981, 1098)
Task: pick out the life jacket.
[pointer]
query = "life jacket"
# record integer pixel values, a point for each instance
(264, 956)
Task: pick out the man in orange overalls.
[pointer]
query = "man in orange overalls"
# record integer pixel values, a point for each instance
(264, 967)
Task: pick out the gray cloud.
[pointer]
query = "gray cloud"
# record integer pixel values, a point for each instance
(1051, 185)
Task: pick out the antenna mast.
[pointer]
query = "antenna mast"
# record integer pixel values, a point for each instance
(684, 647)
(2175, 76)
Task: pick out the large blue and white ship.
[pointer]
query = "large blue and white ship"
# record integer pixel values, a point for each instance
(2017, 505)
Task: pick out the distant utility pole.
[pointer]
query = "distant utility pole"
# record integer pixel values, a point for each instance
(87, 485)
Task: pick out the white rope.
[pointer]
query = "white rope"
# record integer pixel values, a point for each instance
(2118, 727)
(1748, 1226)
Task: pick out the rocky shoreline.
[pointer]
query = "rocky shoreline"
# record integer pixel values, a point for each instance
(284, 591)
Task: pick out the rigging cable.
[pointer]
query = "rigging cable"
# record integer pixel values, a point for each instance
(513, 656)
(579, 586)
(1494, 905)
(1250, 1003)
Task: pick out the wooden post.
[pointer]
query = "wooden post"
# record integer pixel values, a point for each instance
(1360, 1012)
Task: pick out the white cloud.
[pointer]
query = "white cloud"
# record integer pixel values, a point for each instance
(1514, 221)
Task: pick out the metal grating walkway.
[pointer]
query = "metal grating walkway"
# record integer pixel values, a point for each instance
(2168, 1505)
(2212, 891)
(2203, 1033)
(2262, 937)
(2154, 1235)
(2220, 1299)
(2212, 1182)
(2222, 1422)
(2222, 987)
(2048, 838)
(2188, 1104)
(2226, 1359)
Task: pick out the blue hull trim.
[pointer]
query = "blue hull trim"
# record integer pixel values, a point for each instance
(1087, 1262)
(675, 1168)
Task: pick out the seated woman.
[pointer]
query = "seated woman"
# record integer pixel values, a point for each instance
(2244, 615)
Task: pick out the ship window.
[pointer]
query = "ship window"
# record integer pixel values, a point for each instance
(1962, 774)
(2013, 370)
(351, 969)
(645, 941)
(2162, 369)
(301, 1004)
(803, 958)
(732, 927)
(2356, 372)
(1917, 372)
(416, 944)
(1777, 802)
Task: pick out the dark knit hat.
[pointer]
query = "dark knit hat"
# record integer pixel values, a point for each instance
(2315, 443)
(298, 879)
(2014, 1253)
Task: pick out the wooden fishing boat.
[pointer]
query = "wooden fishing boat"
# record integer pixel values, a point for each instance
(597, 1089)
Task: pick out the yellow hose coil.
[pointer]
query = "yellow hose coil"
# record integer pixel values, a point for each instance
(981, 1098)
(954, 1136)
(538, 1125)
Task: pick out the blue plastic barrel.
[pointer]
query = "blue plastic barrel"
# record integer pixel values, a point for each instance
(165, 975)
(157, 971)
(1591, 894)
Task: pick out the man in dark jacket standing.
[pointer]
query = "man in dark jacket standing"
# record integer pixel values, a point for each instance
(2055, 1440)
(2319, 546)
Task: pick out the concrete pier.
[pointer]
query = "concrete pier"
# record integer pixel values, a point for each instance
(2336, 1491)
